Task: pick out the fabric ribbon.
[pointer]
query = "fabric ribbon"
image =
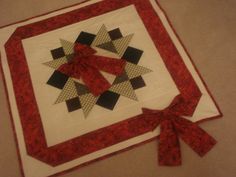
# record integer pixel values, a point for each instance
(172, 125)
(86, 65)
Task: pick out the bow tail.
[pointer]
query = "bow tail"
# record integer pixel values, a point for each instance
(199, 140)
(94, 80)
(169, 148)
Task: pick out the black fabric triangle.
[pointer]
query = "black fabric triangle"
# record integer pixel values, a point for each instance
(122, 78)
(69, 57)
(108, 46)
(81, 89)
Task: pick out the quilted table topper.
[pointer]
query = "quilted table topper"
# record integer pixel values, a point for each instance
(97, 78)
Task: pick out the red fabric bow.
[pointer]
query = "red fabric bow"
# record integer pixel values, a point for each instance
(86, 65)
(173, 125)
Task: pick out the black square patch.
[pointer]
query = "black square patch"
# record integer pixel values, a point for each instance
(57, 53)
(58, 80)
(115, 34)
(137, 82)
(132, 55)
(85, 38)
(108, 100)
(73, 104)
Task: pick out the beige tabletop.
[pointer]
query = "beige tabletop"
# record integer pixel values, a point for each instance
(208, 30)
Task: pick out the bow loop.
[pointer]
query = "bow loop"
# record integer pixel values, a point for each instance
(170, 110)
